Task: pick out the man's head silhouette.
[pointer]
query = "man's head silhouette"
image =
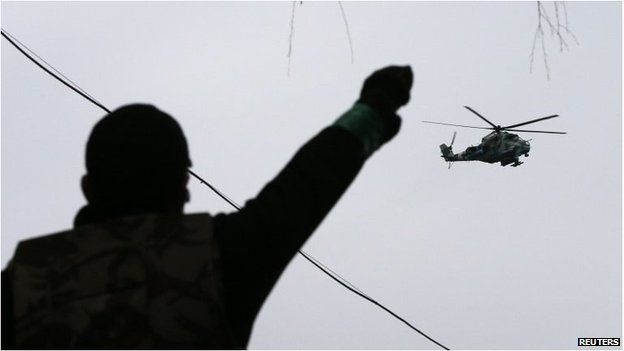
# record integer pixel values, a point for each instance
(136, 160)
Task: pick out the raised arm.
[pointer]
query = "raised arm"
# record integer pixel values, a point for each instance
(257, 242)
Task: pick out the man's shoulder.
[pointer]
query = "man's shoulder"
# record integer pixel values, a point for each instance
(123, 230)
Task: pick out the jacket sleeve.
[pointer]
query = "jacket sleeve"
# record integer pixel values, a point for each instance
(257, 243)
(8, 327)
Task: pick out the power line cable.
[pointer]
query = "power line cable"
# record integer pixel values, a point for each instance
(374, 302)
(84, 94)
(335, 276)
(46, 62)
(223, 196)
(343, 280)
(4, 34)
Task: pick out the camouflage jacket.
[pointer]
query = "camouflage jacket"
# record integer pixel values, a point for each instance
(135, 282)
(158, 282)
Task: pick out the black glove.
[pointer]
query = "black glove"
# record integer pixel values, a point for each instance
(385, 91)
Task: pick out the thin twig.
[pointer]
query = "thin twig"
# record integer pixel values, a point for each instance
(344, 18)
(565, 27)
(545, 56)
(559, 25)
(292, 33)
(555, 30)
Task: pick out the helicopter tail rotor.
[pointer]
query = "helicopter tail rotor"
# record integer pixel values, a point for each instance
(447, 151)
(450, 149)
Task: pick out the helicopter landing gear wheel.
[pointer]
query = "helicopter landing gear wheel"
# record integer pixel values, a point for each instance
(526, 155)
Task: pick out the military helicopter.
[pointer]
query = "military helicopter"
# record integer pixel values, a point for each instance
(498, 146)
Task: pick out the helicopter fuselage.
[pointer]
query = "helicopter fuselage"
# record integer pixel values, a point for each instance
(502, 147)
(498, 146)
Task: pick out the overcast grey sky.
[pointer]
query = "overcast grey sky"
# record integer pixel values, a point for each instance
(479, 256)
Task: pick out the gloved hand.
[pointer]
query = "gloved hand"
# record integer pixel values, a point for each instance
(385, 91)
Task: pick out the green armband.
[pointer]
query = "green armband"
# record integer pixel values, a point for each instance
(365, 123)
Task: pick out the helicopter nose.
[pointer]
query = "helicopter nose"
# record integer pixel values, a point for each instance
(527, 147)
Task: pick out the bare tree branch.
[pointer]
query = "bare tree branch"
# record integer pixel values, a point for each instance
(344, 18)
(557, 28)
(292, 32)
(539, 33)
(565, 26)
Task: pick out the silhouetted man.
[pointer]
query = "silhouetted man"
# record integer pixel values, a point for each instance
(135, 272)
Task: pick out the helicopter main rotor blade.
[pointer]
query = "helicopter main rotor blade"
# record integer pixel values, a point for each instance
(529, 122)
(456, 125)
(483, 118)
(534, 131)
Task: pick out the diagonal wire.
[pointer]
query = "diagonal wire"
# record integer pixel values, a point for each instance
(98, 104)
(342, 281)
(223, 196)
(333, 275)
(84, 94)
(47, 63)
(374, 302)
